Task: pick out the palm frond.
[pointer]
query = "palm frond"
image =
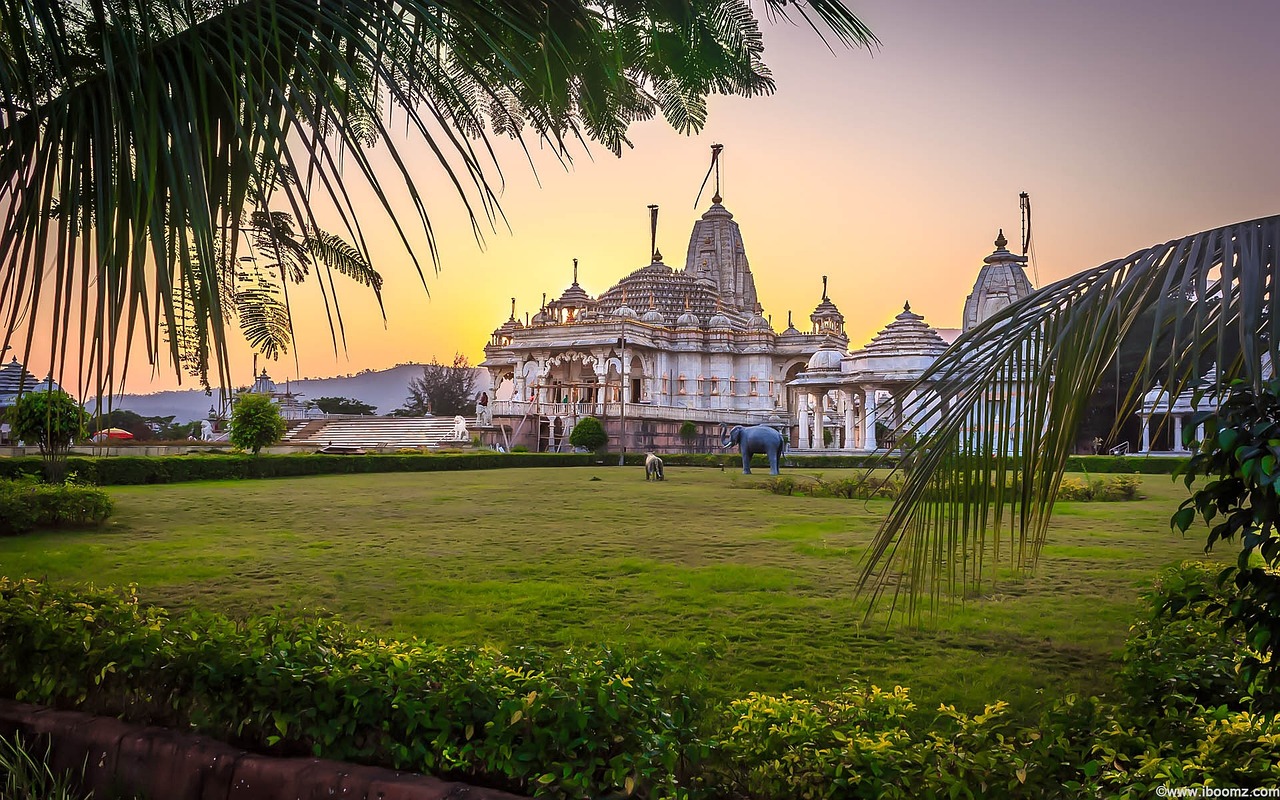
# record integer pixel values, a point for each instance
(996, 415)
(136, 137)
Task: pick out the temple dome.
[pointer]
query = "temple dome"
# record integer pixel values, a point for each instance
(654, 317)
(907, 335)
(827, 359)
(575, 296)
(625, 312)
(757, 323)
(1001, 282)
(688, 320)
(826, 318)
(719, 321)
(672, 292)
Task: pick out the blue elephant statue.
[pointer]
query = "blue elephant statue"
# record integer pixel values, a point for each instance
(754, 439)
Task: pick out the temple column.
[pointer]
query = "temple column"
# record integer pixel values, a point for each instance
(801, 401)
(1146, 434)
(1177, 434)
(819, 417)
(848, 419)
(869, 418)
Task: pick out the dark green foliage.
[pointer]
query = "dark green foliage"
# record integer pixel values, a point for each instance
(255, 422)
(1240, 455)
(688, 433)
(589, 434)
(598, 723)
(443, 390)
(54, 421)
(342, 405)
(26, 505)
(1180, 655)
(125, 470)
(571, 725)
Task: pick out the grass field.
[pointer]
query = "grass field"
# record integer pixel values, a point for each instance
(755, 589)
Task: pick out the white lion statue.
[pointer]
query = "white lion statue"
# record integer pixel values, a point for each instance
(459, 431)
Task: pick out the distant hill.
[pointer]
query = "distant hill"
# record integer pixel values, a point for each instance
(384, 389)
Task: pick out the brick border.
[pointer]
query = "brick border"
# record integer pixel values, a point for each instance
(134, 760)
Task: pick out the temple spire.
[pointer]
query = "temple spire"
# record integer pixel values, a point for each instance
(575, 272)
(824, 287)
(513, 309)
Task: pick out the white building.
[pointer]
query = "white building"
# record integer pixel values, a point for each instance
(665, 346)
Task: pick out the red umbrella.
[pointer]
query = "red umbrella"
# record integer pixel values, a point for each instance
(113, 433)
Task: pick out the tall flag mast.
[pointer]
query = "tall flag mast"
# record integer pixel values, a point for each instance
(715, 167)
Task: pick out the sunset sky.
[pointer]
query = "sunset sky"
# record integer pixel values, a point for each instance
(1127, 122)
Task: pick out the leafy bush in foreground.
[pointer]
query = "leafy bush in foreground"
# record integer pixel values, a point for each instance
(26, 505)
(572, 726)
(608, 725)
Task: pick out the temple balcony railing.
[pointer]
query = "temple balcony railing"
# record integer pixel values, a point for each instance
(613, 409)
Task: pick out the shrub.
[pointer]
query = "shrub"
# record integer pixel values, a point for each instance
(255, 422)
(53, 420)
(26, 505)
(588, 434)
(688, 433)
(519, 448)
(1179, 656)
(1115, 488)
(1239, 456)
(574, 726)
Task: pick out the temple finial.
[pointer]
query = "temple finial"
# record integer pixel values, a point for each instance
(824, 288)
(907, 306)
(686, 301)
(789, 325)
(544, 301)
(575, 272)
(513, 309)
(651, 302)
(1001, 242)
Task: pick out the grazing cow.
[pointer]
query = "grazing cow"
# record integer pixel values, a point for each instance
(652, 467)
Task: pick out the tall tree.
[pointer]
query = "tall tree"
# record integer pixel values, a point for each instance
(144, 144)
(1010, 395)
(444, 390)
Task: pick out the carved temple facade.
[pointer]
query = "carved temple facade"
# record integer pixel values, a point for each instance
(666, 346)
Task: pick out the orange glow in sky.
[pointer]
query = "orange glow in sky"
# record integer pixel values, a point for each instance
(1128, 123)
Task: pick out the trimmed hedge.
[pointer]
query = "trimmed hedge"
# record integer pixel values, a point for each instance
(572, 726)
(124, 470)
(602, 724)
(26, 505)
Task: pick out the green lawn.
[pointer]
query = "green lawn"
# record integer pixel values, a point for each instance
(693, 566)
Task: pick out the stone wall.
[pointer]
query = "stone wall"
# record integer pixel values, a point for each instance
(119, 759)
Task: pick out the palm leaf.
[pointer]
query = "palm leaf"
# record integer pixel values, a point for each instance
(997, 413)
(136, 134)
